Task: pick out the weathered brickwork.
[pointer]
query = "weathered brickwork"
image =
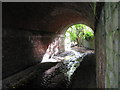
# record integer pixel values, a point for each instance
(22, 49)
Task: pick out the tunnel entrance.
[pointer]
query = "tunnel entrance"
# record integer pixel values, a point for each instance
(34, 52)
(79, 35)
(70, 59)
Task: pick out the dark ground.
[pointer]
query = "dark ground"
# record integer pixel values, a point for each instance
(85, 74)
(52, 77)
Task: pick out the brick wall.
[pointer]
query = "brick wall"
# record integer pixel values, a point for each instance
(21, 49)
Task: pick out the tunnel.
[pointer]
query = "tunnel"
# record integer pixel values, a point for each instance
(29, 30)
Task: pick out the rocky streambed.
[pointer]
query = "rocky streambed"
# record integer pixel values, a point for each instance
(73, 70)
(60, 74)
(76, 70)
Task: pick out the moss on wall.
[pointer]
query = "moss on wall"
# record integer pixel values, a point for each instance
(108, 37)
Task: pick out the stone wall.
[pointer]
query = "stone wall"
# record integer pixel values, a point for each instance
(107, 46)
(21, 49)
(100, 53)
(54, 48)
(89, 44)
(24, 48)
(119, 43)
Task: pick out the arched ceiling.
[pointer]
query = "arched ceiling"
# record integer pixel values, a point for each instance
(47, 17)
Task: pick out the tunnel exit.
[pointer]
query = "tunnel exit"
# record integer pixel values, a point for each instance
(47, 45)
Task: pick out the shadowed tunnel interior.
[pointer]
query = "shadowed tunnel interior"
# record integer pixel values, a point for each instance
(29, 28)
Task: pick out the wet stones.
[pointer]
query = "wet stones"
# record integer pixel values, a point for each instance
(85, 74)
(60, 74)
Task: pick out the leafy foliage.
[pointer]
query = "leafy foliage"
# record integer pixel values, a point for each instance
(88, 36)
(79, 32)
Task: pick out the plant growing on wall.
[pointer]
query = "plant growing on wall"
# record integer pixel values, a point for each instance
(88, 36)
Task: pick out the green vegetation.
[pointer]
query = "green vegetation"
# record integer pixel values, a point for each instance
(79, 32)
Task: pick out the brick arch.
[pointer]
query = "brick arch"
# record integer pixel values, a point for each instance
(29, 28)
(67, 17)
